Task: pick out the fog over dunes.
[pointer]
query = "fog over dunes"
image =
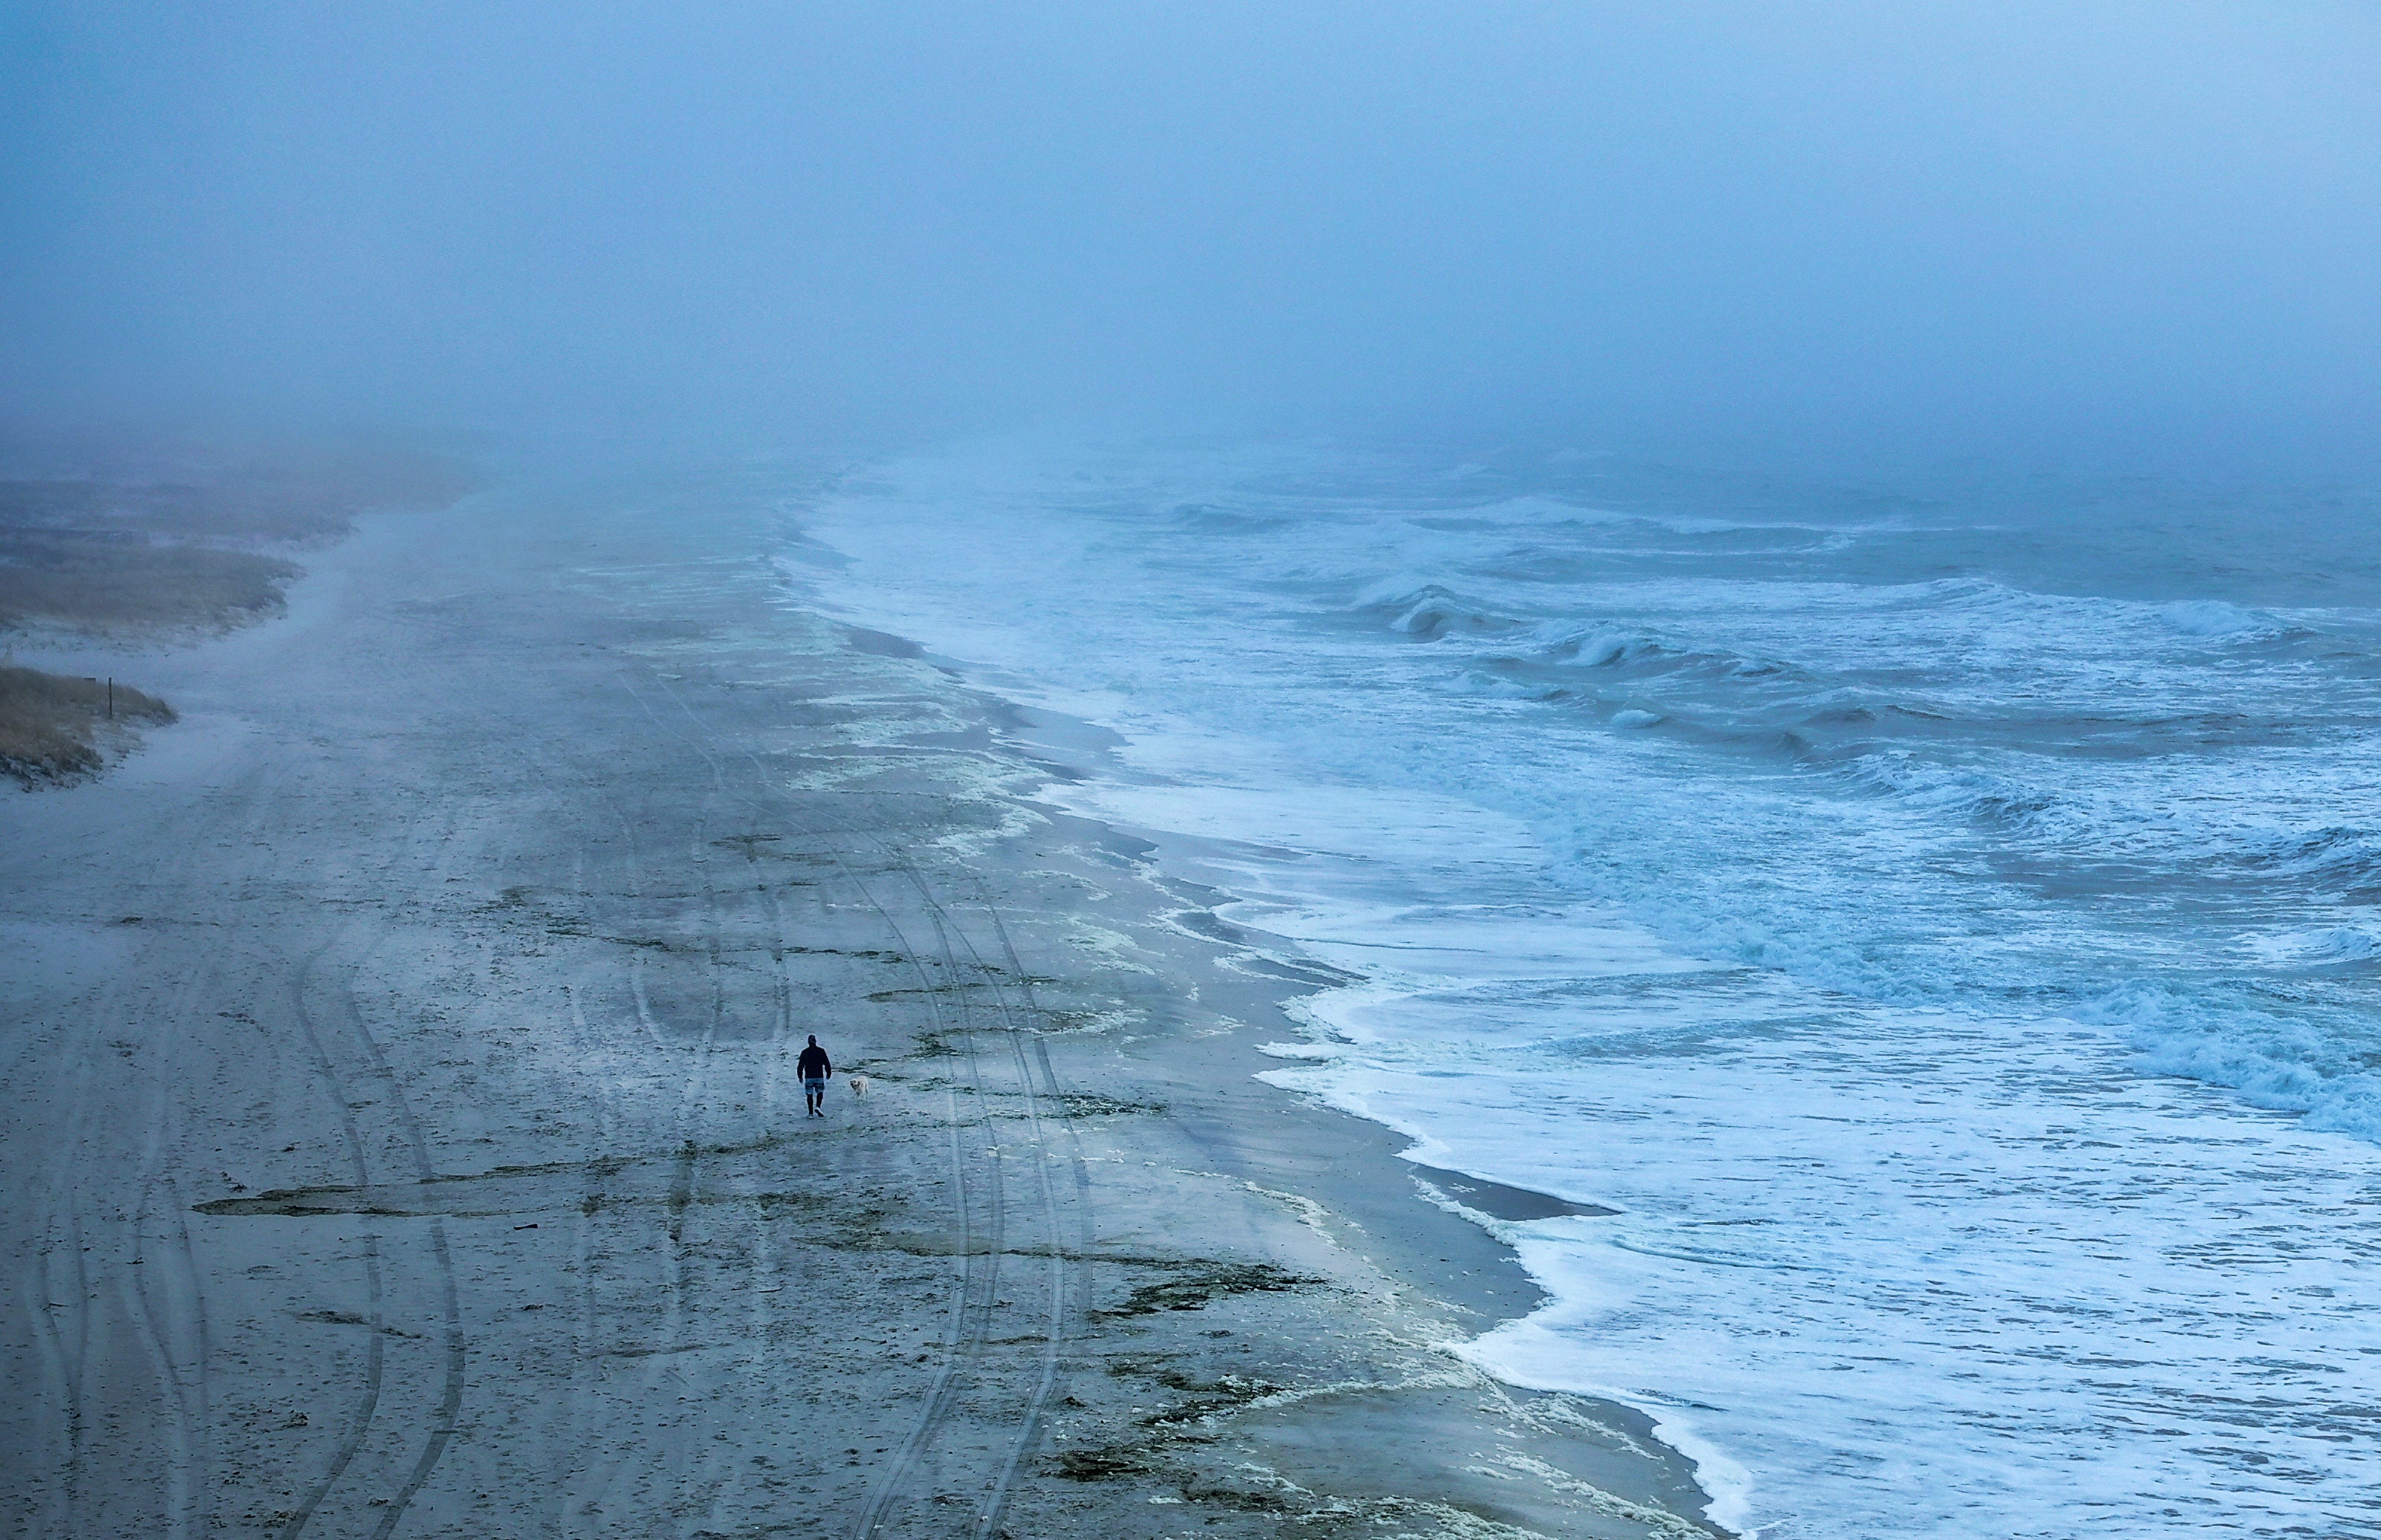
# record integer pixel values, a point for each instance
(2131, 233)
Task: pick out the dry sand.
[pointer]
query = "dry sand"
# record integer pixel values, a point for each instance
(402, 1135)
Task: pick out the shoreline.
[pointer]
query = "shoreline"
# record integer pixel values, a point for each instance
(1485, 1283)
(565, 828)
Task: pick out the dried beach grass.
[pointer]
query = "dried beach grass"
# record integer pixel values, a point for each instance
(107, 582)
(54, 729)
(91, 555)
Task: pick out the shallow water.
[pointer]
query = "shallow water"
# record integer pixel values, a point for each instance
(1941, 929)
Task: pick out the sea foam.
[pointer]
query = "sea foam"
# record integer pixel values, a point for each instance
(1958, 986)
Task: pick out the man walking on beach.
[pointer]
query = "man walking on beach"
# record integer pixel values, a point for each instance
(815, 1069)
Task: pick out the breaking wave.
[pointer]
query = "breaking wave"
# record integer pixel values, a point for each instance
(2276, 1059)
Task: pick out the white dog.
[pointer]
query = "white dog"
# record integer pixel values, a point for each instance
(858, 1084)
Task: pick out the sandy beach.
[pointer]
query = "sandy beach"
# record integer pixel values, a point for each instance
(403, 1134)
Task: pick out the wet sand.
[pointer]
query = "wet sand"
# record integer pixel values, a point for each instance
(404, 1138)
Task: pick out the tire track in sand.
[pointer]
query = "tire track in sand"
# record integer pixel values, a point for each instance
(979, 1246)
(167, 1301)
(967, 1323)
(1068, 1299)
(592, 1481)
(409, 1127)
(450, 1398)
(979, 1284)
(63, 1328)
(1059, 1258)
(1063, 1281)
(358, 1423)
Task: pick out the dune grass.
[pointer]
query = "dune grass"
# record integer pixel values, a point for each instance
(94, 554)
(56, 728)
(298, 498)
(153, 548)
(110, 581)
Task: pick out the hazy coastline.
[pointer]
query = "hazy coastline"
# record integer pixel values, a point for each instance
(1673, 704)
(421, 1142)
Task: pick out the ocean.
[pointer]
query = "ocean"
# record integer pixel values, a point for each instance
(1938, 922)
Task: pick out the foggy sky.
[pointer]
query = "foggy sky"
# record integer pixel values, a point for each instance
(1966, 224)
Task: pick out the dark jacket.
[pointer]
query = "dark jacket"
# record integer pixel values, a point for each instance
(812, 1065)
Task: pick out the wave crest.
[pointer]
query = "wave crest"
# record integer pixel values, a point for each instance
(1430, 611)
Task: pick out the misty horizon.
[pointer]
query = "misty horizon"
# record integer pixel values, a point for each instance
(1594, 769)
(2119, 235)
